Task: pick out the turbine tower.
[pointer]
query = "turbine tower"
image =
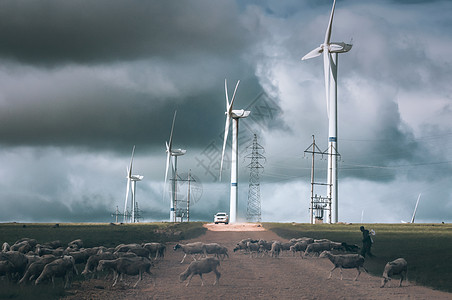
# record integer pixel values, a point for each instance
(235, 115)
(131, 179)
(330, 52)
(171, 158)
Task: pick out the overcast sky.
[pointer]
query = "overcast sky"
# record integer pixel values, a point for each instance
(82, 82)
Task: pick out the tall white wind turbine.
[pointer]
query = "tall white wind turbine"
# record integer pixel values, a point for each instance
(235, 115)
(171, 158)
(330, 52)
(131, 179)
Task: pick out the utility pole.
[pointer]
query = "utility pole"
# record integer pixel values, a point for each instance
(253, 211)
(116, 214)
(319, 204)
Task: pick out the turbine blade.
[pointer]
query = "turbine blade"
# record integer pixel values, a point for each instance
(330, 24)
(415, 208)
(170, 144)
(326, 69)
(168, 160)
(131, 162)
(127, 197)
(314, 53)
(226, 93)
(233, 97)
(226, 132)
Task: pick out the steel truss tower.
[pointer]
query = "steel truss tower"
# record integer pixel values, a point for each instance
(253, 210)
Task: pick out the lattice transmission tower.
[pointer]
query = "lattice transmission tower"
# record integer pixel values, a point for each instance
(253, 210)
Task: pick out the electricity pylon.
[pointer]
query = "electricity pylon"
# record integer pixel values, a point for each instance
(253, 210)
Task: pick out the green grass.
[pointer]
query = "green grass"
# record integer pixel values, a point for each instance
(426, 247)
(92, 235)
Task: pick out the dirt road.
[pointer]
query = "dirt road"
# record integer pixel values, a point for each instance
(244, 277)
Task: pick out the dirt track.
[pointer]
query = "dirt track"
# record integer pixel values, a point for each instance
(244, 277)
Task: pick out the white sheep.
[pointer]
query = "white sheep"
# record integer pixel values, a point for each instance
(6, 247)
(395, 267)
(61, 267)
(35, 269)
(317, 248)
(299, 247)
(199, 267)
(253, 248)
(345, 261)
(128, 266)
(156, 250)
(216, 249)
(275, 249)
(192, 249)
(93, 261)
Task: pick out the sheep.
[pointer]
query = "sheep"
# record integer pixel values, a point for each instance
(31, 242)
(222, 252)
(217, 250)
(299, 247)
(395, 267)
(199, 267)
(302, 239)
(157, 250)
(192, 249)
(80, 256)
(127, 266)
(47, 249)
(275, 249)
(93, 261)
(317, 248)
(18, 260)
(35, 269)
(75, 244)
(126, 248)
(345, 261)
(266, 246)
(61, 267)
(22, 247)
(253, 248)
(6, 269)
(350, 248)
(285, 246)
(6, 247)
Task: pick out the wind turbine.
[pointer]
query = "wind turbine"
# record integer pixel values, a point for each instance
(415, 209)
(235, 115)
(171, 158)
(131, 179)
(330, 52)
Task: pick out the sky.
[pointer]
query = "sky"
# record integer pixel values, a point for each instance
(82, 82)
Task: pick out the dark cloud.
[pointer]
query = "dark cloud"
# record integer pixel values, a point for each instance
(51, 32)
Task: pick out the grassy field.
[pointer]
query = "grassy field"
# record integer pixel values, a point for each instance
(92, 235)
(426, 247)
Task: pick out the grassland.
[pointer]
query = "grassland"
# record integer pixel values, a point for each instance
(426, 247)
(92, 235)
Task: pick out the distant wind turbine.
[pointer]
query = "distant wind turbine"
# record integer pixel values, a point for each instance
(415, 209)
(330, 50)
(131, 179)
(171, 158)
(235, 115)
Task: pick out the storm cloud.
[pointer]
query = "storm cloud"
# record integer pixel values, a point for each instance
(81, 82)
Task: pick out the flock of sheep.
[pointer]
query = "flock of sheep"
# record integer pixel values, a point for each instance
(28, 261)
(323, 248)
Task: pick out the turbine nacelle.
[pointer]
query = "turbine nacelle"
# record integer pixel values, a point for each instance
(178, 152)
(136, 177)
(236, 114)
